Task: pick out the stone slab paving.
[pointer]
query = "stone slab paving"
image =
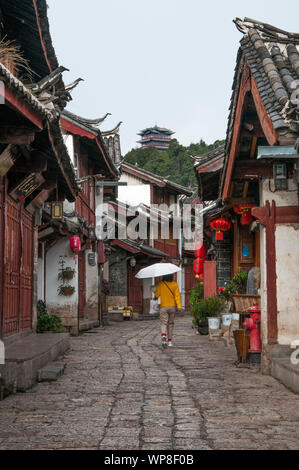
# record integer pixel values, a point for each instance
(121, 391)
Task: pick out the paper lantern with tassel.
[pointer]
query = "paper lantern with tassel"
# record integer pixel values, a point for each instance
(220, 225)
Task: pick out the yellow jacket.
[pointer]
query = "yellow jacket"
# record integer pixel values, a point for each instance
(167, 299)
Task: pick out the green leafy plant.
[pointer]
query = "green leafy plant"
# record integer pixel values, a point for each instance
(237, 285)
(65, 289)
(41, 308)
(46, 322)
(66, 273)
(202, 308)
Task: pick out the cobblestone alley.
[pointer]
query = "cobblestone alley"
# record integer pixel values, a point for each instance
(121, 391)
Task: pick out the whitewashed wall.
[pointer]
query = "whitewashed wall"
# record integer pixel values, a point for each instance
(91, 310)
(287, 270)
(64, 306)
(287, 266)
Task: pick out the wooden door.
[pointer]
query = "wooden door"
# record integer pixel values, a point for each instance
(12, 263)
(135, 289)
(210, 278)
(82, 284)
(1, 253)
(190, 281)
(18, 268)
(26, 270)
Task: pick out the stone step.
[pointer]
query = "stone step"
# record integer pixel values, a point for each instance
(26, 356)
(50, 372)
(286, 372)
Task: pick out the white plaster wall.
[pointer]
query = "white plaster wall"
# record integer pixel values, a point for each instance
(281, 198)
(91, 288)
(135, 194)
(106, 271)
(40, 279)
(263, 289)
(130, 179)
(147, 288)
(64, 306)
(287, 270)
(287, 266)
(69, 143)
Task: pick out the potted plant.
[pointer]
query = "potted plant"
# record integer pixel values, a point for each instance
(237, 285)
(66, 274)
(47, 322)
(66, 289)
(199, 319)
(202, 309)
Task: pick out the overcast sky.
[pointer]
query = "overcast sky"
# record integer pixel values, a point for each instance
(169, 62)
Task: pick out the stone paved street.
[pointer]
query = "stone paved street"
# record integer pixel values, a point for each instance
(121, 391)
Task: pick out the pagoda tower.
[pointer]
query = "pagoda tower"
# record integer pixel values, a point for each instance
(157, 137)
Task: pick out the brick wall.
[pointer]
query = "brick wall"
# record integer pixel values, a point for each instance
(223, 258)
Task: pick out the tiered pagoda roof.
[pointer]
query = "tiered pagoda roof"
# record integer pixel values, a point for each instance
(158, 137)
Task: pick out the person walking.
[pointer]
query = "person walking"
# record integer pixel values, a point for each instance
(168, 291)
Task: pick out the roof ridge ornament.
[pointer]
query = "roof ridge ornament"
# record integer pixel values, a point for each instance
(113, 131)
(269, 32)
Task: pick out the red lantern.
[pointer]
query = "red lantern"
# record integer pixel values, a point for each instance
(198, 267)
(199, 251)
(245, 211)
(75, 244)
(220, 225)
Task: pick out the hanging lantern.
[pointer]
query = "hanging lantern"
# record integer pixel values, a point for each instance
(75, 245)
(245, 211)
(220, 225)
(198, 264)
(199, 251)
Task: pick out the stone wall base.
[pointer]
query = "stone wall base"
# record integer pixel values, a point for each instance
(68, 315)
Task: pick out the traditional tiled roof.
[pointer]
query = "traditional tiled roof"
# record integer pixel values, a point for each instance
(155, 179)
(156, 129)
(22, 92)
(112, 142)
(91, 125)
(210, 157)
(273, 57)
(26, 22)
(92, 132)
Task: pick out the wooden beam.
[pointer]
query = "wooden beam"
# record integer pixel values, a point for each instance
(245, 189)
(266, 123)
(23, 108)
(253, 146)
(244, 89)
(16, 135)
(252, 169)
(235, 201)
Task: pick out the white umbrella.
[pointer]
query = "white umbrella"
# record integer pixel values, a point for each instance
(158, 269)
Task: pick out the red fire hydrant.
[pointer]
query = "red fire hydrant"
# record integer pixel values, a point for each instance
(253, 324)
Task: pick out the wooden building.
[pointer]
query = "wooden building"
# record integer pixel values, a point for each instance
(157, 137)
(34, 163)
(260, 169)
(153, 195)
(91, 164)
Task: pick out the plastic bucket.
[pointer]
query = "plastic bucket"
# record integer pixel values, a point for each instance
(226, 319)
(214, 323)
(235, 316)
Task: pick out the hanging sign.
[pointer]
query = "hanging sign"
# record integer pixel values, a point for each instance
(57, 210)
(26, 187)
